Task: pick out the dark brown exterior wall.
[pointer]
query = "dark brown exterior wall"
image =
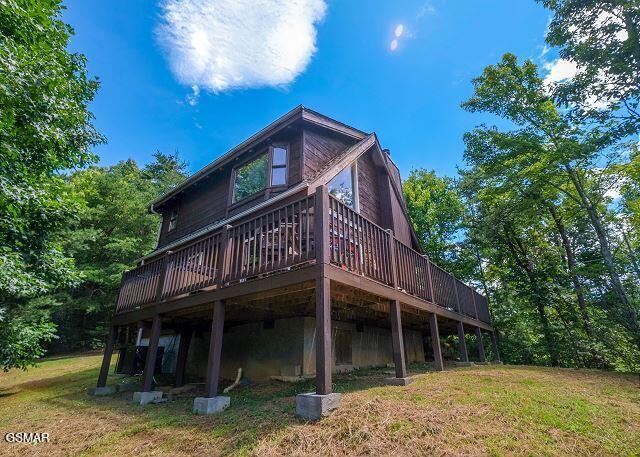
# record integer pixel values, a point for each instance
(207, 201)
(319, 148)
(369, 189)
(197, 207)
(400, 222)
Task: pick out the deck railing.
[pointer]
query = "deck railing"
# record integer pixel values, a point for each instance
(283, 239)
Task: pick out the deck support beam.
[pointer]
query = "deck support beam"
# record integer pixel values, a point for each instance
(152, 352)
(464, 356)
(481, 355)
(215, 349)
(183, 352)
(397, 339)
(435, 342)
(494, 345)
(106, 358)
(213, 403)
(323, 336)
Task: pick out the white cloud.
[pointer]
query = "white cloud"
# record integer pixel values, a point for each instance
(232, 44)
(193, 97)
(559, 70)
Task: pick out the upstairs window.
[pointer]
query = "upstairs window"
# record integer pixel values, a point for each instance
(173, 220)
(344, 187)
(279, 166)
(251, 178)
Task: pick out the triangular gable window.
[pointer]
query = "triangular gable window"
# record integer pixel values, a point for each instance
(344, 186)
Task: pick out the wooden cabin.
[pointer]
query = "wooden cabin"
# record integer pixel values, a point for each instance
(292, 255)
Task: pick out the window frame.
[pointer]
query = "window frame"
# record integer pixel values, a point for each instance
(269, 175)
(173, 218)
(284, 146)
(354, 185)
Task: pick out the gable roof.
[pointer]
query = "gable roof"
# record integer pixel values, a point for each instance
(297, 113)
(352, 153)
(321, 177)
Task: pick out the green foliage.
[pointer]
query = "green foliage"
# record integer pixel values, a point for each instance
(45, 127)
(603, 39)
(113, 229)
(540, 217)
(251, 178)
(436, 211)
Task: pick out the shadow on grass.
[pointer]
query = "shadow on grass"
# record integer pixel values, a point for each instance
(256, 411)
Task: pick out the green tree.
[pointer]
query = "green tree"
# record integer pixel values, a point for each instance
(545, 147)
(113, 230)
(45, 127)
(436, 211)
(602, 38)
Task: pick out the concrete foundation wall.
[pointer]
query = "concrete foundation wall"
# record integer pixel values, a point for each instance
(288, 349)
(260, 352)
(370, 348)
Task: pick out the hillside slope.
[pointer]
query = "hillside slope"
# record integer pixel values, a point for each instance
(495, 410)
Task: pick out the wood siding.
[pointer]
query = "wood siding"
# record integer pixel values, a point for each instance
(208, 201)
(319, 148)
(202, 204)
(369, 189)
(401, 226)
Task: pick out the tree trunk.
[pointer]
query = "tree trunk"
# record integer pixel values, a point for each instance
(538, 297)
(571, 265)
(630, 314)
(632, 255)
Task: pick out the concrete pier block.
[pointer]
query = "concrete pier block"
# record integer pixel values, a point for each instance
(144, 398)
(314, 407)
(102, 391)
(398, 381)
(482, 363)
(210, 405)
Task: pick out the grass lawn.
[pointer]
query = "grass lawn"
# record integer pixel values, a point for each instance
(489, 410)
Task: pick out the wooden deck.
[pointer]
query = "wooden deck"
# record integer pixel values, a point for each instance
(279, 250)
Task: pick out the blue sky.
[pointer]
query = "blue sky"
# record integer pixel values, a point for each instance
(409, 96)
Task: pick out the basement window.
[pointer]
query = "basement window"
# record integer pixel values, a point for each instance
(173, 221)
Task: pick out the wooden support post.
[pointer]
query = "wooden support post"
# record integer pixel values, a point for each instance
(106, 358)
(432, 293)
(321, 225)
(224, 256)
(183, 352)
(215, 350)
(494, 344)
(464, 357)
(455, 289)
(392, 259)
(323, 336)
(435, 342)
(480, 344)
(475, 307)
(152, 351)
(397, 339)
(162, 276)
